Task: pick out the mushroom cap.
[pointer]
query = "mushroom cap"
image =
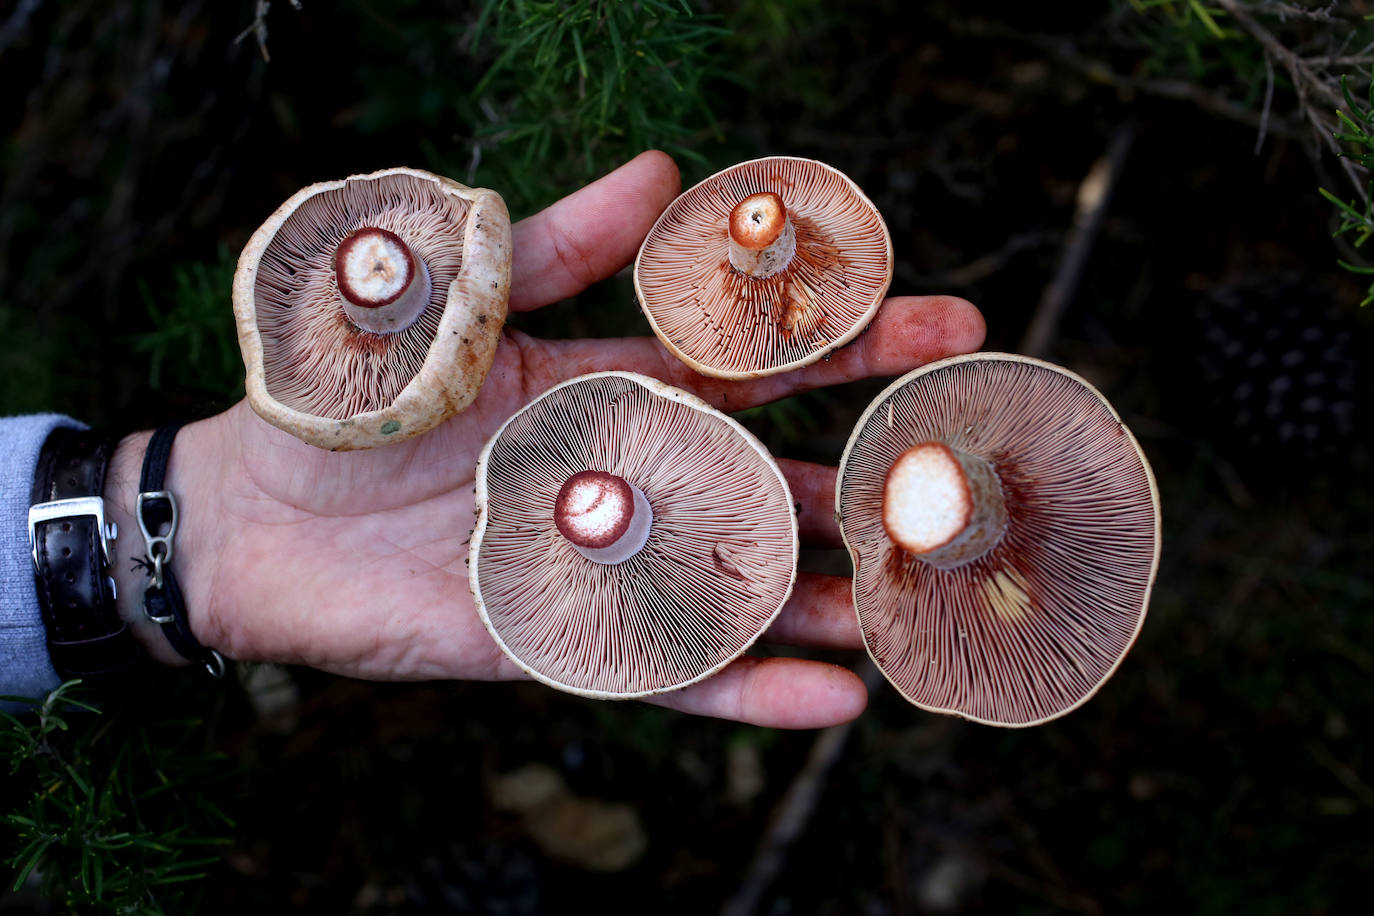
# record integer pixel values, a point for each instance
(719, 563)
(1031, 629)
(310, 371)
(729, 325)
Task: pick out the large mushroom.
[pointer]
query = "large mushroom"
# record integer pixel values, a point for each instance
(1004, 528)
(630, 539)
(764, 267)
(369, 309)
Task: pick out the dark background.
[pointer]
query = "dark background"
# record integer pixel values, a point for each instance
(1225, 768)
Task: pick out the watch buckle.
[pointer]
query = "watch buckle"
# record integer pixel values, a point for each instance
(76, 507)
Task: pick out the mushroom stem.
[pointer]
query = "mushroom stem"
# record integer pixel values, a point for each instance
(384, 286)
(762, 240)
(604, 517)
(943, 505)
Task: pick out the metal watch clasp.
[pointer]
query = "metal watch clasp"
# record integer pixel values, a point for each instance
(154, 541)
(76, 507)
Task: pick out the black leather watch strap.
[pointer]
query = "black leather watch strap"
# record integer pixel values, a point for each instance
(76, 593)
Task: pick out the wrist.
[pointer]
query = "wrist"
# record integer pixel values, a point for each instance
(192, 558)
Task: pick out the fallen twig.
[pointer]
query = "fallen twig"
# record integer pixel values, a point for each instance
(1093, 194)
(794, 811)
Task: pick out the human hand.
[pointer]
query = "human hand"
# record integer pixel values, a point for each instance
(354, 562)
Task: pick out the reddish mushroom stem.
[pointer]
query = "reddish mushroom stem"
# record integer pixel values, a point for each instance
(604, 517)
(384, 286)
(943, 505)
(762, 240)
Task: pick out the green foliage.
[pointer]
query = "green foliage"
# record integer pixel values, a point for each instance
(1186, 36)
(1280, 45)
(574, 89)
(192, 342)
(1357, 217)
(111, 812)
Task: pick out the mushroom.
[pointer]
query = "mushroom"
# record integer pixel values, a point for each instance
(764, 267)
(369, 309)
(630, 539)
(1004, 529)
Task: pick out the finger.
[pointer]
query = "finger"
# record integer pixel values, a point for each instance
(908, 331)
(774, 692)
(591, 234)
(813, 489)
(819, 614)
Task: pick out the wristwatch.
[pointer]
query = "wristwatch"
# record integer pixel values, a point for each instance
(72, 558)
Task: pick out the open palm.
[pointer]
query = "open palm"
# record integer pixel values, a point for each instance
(355, 562)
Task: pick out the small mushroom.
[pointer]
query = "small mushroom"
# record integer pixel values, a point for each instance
(369, 309)
(764, 267)
(630, 538)
(1004, 528)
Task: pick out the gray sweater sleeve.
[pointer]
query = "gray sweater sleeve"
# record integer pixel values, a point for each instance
(24, 666)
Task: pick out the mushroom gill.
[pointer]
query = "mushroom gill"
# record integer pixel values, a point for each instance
(716, 568)
(725, 322)
(1031, 628)
(314, 358)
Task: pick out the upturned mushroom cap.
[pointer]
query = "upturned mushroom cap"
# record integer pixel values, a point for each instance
(717, 567)
(311, 370)
(723, 322)
(1030, 629)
